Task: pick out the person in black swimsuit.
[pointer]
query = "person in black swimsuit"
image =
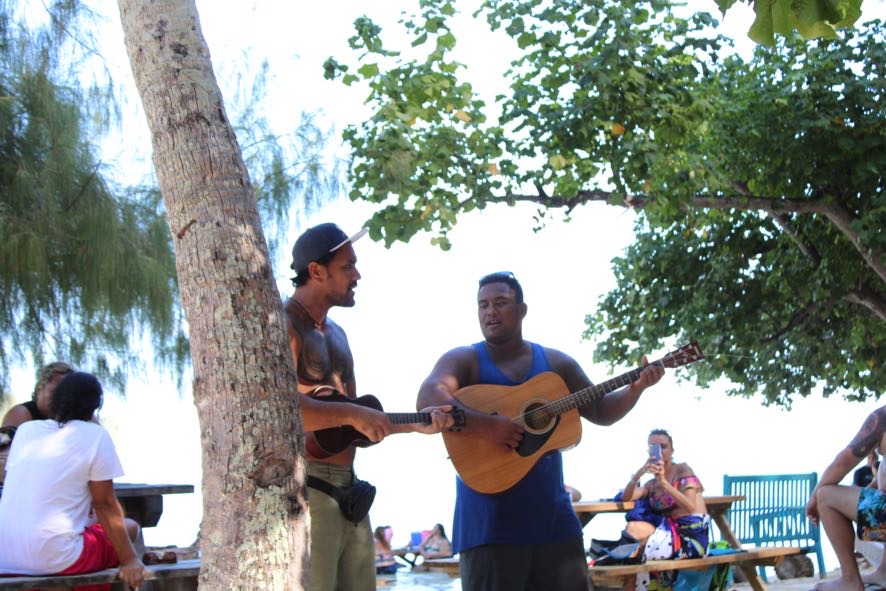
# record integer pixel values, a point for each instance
(436, 545)
(35, 409)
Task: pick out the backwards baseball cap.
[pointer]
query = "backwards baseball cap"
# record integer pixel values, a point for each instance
(315, 243)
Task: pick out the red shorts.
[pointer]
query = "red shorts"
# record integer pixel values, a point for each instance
(98, 554)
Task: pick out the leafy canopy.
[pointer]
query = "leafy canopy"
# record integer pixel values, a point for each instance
(811, 18)
(84, 263)
(87, 270)
(759, 183)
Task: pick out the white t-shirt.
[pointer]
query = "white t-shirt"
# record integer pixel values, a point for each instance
(45, 505)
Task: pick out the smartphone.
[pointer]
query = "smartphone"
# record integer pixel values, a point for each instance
(655, 451)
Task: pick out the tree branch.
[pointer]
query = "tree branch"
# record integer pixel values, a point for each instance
(838, 215)
(809, 250)
(835, 212)
(796, 320)
(569, 203)
(869, 299)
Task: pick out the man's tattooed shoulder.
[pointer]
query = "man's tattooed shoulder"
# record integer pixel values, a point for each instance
(870, 433)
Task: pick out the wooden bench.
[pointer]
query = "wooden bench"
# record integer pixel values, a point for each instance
(773, 512)
(181, 576)
(617, 575)
(445, 565)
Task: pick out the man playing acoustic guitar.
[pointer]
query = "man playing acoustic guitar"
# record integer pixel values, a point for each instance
(525, 536)
(342, 552)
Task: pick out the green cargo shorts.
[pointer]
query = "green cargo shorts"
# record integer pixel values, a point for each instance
(342, 553)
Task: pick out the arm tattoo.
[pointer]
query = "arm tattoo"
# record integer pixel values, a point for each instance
(870, 433)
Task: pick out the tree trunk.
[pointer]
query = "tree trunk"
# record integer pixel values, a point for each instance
(254, 532)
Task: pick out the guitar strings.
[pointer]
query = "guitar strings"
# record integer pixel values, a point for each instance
(683, 356)
(568, 402)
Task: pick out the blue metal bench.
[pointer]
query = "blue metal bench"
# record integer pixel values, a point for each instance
(774, 512)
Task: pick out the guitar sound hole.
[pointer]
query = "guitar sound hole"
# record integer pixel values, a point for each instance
(536, 419)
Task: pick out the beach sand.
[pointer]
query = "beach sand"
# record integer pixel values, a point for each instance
(409, 580)
(864, 556)
(775, 584)
(437, 581)
(798, 584)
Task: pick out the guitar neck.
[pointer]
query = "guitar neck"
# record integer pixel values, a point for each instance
(582, 397)
(406, 418)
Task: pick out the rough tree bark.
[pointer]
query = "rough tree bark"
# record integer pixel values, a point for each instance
(254, 530)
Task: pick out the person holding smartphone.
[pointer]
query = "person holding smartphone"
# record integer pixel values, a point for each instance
(675, 494)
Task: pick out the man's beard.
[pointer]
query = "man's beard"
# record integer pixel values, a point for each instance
(346, 300)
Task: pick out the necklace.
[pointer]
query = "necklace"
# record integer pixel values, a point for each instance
(308, 314)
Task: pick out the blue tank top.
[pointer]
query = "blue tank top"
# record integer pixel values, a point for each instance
(537, 510)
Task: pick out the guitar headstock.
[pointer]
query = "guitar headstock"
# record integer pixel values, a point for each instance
(683, 356)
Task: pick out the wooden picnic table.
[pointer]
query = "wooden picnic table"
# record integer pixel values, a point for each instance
(449, 565)
(717, 506)
(144, 502)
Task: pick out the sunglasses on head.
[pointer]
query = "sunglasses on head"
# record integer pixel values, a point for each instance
(499, 276)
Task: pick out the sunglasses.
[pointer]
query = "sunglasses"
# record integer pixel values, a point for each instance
(499, 276)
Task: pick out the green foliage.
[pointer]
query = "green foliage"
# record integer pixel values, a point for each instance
(87, 269)
(285, 168)
(426, 152)
(594, 85)
(811, 18)
(83, 263)
(760, 184)
(779, 297)
(767, 319)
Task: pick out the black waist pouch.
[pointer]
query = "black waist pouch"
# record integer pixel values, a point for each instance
(354, 501)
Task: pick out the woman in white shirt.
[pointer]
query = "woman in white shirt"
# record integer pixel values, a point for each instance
(58, 470)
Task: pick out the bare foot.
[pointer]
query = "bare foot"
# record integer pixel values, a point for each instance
(840, 584)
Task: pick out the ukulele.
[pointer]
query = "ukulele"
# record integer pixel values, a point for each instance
(328, 442)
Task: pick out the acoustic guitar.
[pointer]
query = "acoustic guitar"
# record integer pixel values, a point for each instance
(328, 442)
(549, 415)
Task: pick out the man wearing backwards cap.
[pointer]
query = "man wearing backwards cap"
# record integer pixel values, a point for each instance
(342, 554)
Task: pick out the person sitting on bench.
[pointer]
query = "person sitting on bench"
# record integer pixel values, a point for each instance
(436, 545)
(35, 409)
(837, 506)
(384, 555)
(675, 494)
(59, 472)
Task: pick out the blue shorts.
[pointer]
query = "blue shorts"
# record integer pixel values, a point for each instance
(871, 519)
